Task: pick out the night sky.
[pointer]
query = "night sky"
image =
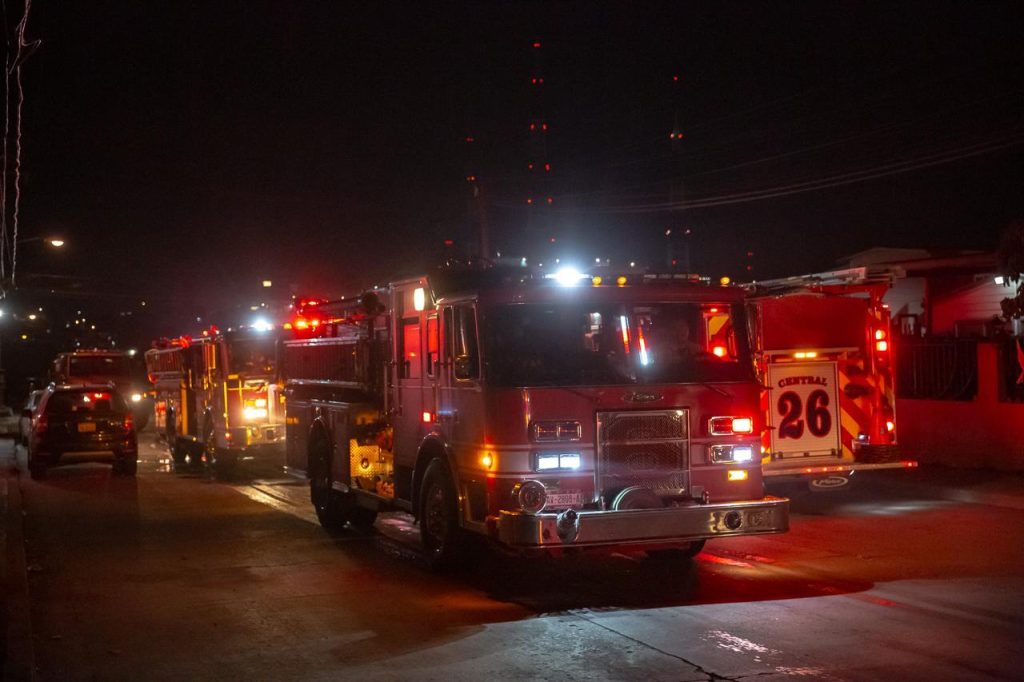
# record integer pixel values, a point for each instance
(189, 150)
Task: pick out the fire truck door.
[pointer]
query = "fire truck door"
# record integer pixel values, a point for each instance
(408, 386)
(803, 412)
(458, 401)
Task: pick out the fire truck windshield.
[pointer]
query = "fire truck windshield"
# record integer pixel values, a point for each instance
(253, 357)
(572, 344)
(99, 365)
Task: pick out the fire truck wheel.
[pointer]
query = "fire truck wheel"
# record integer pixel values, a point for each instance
(439, 518)
(178, 454)
(681, 554)
(333, 508)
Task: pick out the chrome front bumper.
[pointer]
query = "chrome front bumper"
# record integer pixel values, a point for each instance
(643, 526)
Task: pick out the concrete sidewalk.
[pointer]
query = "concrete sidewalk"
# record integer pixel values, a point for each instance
(16, 651)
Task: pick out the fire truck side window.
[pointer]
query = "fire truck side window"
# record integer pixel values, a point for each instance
(432, 346)
(411, 348)
(464, 346)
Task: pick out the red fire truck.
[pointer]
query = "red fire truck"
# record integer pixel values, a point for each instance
(823, 350)
(217, 400)
(100, 366)
(543, 413)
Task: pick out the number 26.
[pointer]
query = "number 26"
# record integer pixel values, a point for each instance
(819, 419)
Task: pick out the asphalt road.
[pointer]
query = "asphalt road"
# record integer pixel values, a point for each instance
(173, 577)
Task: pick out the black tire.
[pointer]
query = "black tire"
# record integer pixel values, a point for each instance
(217, 463)
(362, 519)
(126, 466)
(679, 554)
(179, 452)
(333, 508)
(440, 533)
(36, 468)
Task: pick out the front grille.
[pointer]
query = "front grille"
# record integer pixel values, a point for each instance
(649, 449)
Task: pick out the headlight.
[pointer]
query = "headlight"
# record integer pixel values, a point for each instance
(254, 413)
(731, 453)
(555, 461)
(136, 397)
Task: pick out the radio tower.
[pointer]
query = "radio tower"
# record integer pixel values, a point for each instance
(677, 234)
(539, 200)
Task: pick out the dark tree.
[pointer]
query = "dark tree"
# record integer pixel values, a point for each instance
(1011, 267)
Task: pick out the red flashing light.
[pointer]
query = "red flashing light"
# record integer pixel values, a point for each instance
(536, 45)
(547, 167)
(551, 200)
(879, 334)
(718, 351)
(302, 323)
(529, 201)
(533, 127)
(544, 126)
(675, 78)
(449, 242)
(428, 417)
(529, 166)
(881, 346)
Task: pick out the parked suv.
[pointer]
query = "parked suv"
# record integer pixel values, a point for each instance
(82, 423)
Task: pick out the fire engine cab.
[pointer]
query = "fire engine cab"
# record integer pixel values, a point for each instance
(823, 350)
(217, 400)
(545, 413)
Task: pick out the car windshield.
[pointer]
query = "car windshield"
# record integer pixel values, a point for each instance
(85, 401)
(253, 356)
(572, 344)
(99, 365)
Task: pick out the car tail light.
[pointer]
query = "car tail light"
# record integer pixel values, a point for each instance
(41, 424)
(728, 426)
(129, 422)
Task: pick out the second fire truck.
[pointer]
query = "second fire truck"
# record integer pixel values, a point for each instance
(547, 414)
(823, 349)
(217, 400)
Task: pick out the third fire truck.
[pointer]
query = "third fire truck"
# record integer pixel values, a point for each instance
(217, 400)
(823, 349)
(544, 413)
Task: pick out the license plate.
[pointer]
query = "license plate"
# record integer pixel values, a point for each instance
(86, 427)
(564, 500)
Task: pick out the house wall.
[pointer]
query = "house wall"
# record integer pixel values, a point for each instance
(981, 433)
(977, 302)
